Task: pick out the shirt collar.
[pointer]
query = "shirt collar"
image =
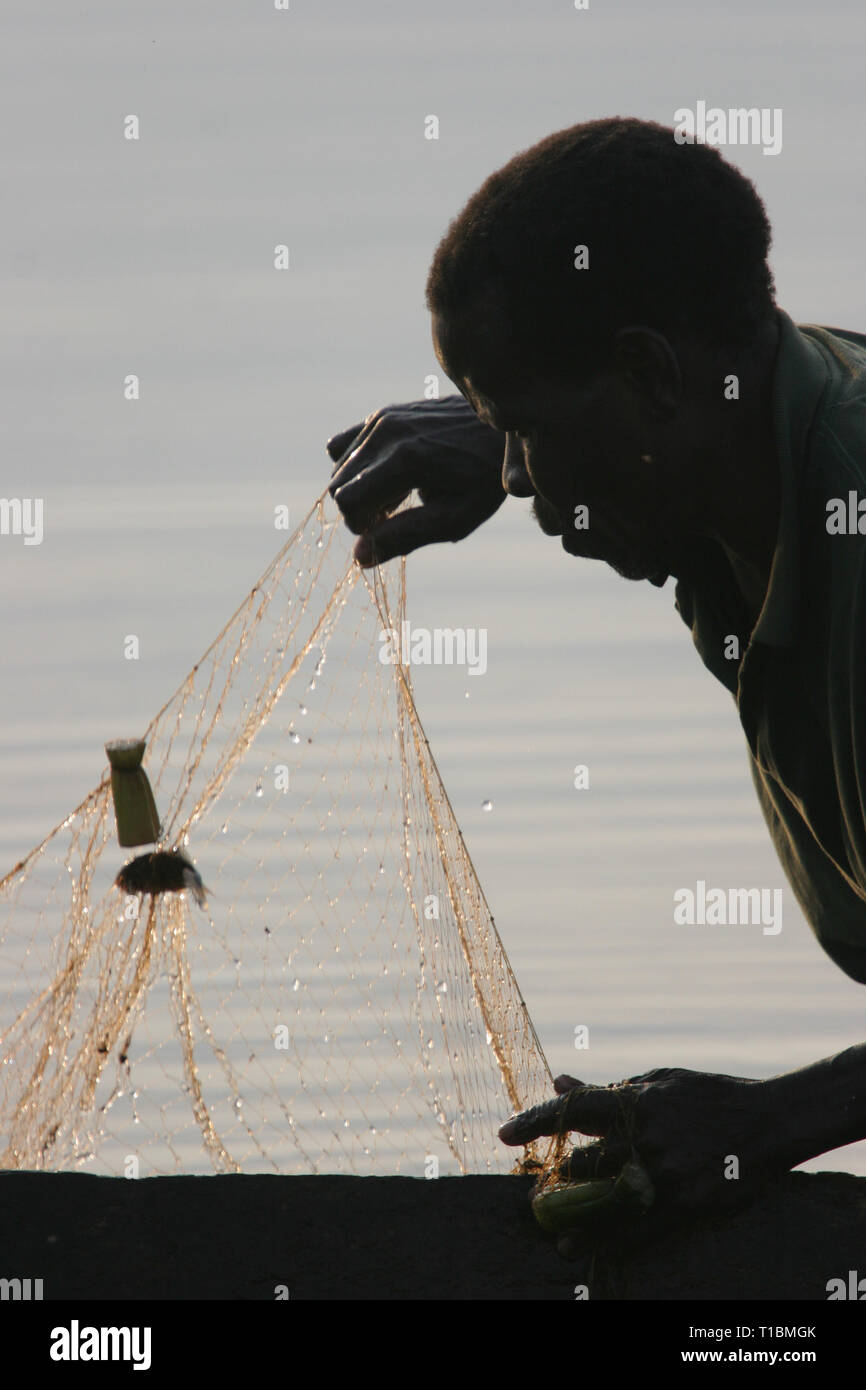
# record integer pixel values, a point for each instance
(799, 379)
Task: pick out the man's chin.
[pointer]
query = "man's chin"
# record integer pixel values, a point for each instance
(649, 570)
(631, 568)
(639, 572)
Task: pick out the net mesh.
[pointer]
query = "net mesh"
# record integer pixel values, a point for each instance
(344, 1002)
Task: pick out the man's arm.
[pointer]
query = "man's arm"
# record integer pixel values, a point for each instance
(686, 1127)
(820, 1107)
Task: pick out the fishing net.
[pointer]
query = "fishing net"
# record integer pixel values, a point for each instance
(343, 1002)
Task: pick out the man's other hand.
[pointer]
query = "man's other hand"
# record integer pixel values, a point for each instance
(439, 447)
(705, 1141)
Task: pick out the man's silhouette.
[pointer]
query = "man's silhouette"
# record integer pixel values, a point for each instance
(605, 307)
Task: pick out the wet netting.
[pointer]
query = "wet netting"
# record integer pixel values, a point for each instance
(341, 1002)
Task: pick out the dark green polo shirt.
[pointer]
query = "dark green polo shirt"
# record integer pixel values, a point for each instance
(800, 682)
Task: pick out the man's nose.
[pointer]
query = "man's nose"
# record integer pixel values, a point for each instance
(515, 478)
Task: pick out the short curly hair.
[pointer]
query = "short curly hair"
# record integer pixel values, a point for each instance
(677, 238)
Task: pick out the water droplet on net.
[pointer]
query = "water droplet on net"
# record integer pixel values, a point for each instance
(224, 829)
(296, 986)
(487, 805)
(259, 788)
(303, 709)
(442, 989)
(295, 738)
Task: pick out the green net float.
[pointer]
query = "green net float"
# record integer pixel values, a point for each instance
(568, 1205)
(134, 807)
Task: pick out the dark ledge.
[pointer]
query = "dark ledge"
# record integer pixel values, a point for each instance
(334, 1237)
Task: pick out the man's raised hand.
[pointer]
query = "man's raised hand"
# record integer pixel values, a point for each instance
(439, 447)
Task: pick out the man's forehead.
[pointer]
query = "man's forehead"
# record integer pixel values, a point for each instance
(480, 353)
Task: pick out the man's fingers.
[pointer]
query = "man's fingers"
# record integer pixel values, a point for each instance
(589, 1109)
(376, 460)
(348, 467)
(361, 492)
(400, 535)
(530, 1124)
(564, 1083)
(340, 443)
(594, 1162)
(386, 537)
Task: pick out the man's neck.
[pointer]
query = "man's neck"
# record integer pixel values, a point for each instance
(752, 584)
(749, 505)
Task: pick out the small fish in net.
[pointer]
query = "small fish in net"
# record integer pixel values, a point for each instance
(162, 871)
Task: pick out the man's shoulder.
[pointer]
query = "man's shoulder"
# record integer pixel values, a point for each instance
(844, 354)
(822, 330)
(832, 472)
(836, 439)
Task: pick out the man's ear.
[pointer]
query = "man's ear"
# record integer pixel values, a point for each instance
(648, 363)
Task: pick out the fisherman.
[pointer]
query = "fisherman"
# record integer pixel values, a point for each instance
(605, 306)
